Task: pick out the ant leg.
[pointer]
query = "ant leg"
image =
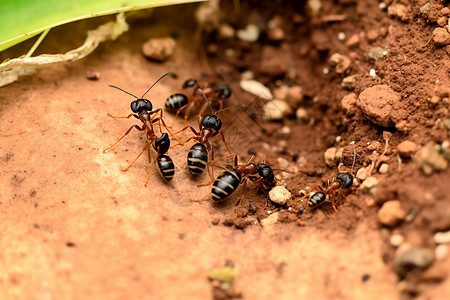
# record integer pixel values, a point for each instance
(214, 164)
(125, 134)
(145, 148)
(181, 143)
(150, 162)
(201, 199)
(189, 126)
(178, 113)
(121, 117)
(314, 188)
(188, 111)
(223, 139)
(239, 203)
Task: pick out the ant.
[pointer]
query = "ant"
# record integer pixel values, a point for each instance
(228, 181)
(209, 126)
(181, 102)
(143, 110)
(333, 189)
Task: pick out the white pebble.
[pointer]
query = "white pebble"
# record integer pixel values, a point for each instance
(256, 88)
(249, 34)
(441, 252)
(279, 195)
(341, 36)
(352, 143)
(369, 184)
(396, 240)
(270, 220)
(384, 168)
(247, 75)
(325, 71)
(361, 174)
(275, 110)
(372, 72)
(442, 237)
(338, 139)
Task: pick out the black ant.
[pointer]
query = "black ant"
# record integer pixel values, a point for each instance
(209, 126)
(335, 189)
(180, 102)
(228, 181)
(143, 110)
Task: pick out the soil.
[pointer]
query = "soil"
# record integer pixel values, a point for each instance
(75, 226)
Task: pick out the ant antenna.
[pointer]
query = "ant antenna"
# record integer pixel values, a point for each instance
(286, 171)
(168, 73)
(215, 113)
(123, 90)
(354, 159)
(201, 91)
(228, 108)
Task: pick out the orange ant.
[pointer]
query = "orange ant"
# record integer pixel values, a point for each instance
(334, 189)
(143, 111)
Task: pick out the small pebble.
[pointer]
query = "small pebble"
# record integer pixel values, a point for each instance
(430, 159)
(226, 31)
(314, 7)
(281, 92)
(348, 103)
(279, 195)
(384, 168)
(391, 213)
(276, 110)
(442, 237)
(397, 10)
(369, 185)
(376, 53)
(372, 73)
(285, 131)
(396, 240)
(382, 6)
(276, 34)
(283, 163)
(425, 8)
(270, 220)
(349, 82)
(441, 252)
(441, 37)
(224, 274)
(406, 148)
(442, 21)
(330, 157)
(159, 49)
(341, 36)
(249, 34)
(256, 88)
(340, 62)
(377, 103)
(352, 41)
(92, 75)
(294, 96)
(361, 174)
(372, 35)
(408, 258)
(302, 115)
(365, 277)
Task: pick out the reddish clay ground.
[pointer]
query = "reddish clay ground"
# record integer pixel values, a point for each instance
(75, 226)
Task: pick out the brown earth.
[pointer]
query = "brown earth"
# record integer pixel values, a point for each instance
(75, 226)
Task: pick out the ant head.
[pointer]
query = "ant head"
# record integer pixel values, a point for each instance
(140, 105)
(162, 143)
(346, 179)
(223, 90)
(189, 83)
(265, 172)
(212, 121)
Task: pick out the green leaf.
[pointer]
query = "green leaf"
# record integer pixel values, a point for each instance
(23, 19)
